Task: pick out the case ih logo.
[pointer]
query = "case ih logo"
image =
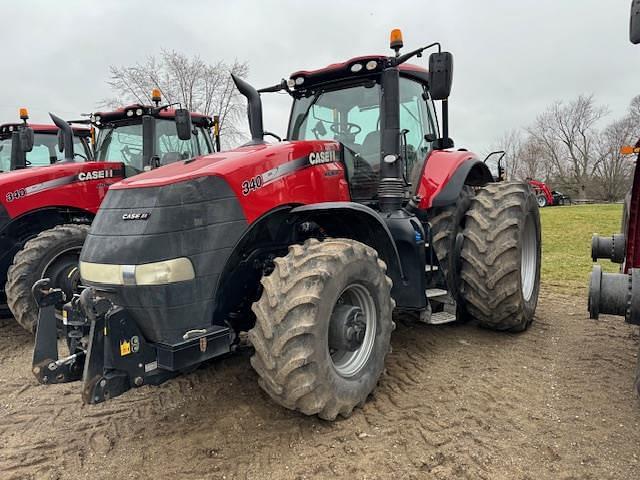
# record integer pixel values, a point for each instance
(95, 175)
(317, 158)
(136, 216)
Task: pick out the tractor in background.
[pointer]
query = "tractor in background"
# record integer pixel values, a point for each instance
(547, 197)
(45, 211)
(619, 293)
(301, 248)
(39, 144)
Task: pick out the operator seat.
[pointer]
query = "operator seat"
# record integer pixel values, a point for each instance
(371, 148)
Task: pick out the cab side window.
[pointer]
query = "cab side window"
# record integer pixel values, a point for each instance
(418, 123)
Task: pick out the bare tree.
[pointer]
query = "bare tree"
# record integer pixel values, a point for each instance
(613, 169)
(191, 82)
(568, 135)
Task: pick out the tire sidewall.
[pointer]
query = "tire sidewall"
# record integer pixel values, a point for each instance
(367, 273)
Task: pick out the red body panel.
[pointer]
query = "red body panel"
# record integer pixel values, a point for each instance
(541, 188)
(439, 167)
(58, 185)
(284, 177)
(633, 227)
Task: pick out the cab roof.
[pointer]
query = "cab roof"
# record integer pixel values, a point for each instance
(368, 64)
(137, 109)
(78, 130)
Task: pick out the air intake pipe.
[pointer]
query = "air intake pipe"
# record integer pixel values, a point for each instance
(254, 109)
(612, 248)
(65, 138)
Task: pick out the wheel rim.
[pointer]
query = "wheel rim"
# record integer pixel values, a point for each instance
(349, 363)
(63, 271)
(541, 201)
(528, 264)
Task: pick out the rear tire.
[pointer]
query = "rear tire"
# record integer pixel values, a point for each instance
(292, 332)
(53, 253)
(501, 257)
(446, 223)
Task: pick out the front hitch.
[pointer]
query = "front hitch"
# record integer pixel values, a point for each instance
(46, 364)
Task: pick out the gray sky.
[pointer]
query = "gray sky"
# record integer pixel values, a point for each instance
(512, 57)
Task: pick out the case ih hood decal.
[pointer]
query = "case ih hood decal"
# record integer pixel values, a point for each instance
(59, 182)
(270, 176)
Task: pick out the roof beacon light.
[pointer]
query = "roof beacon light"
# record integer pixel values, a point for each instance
(155, 96)
(629, 150)
(24, 114)
(395, 42)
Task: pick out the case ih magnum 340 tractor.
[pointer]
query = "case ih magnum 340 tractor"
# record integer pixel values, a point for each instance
(619, 293)
(41, 145)
(45, 212)
(302, 248)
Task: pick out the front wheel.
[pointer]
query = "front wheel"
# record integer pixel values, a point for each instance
(52, 254)
(501, 257)
(323, 327)
(542, 201)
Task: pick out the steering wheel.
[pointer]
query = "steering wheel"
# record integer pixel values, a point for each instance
(352, 129)
(79, 155)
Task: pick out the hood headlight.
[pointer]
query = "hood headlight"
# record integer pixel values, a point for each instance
(156, 273)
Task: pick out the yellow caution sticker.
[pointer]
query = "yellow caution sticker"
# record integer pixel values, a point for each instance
(125, 347)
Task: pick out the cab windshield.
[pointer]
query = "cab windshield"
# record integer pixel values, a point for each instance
(122, 142)
(351, 115)
(45, 151)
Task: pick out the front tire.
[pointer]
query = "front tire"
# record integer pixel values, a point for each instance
(501, 257)
(53, 253)
(542, 201)
(313, 294)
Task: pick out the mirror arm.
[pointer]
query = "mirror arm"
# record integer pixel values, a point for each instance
(415, 53)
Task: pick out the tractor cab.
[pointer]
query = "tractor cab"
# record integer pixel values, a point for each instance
(144, 137)
(24, 145)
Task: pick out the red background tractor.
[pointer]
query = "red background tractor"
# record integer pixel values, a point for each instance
(45, 211)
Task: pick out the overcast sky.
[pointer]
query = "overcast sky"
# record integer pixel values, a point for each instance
(512, 57)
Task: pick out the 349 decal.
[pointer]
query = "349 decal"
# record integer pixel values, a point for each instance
(252, 184)
(11, 196)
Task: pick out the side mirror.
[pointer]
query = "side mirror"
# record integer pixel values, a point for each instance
(183, 124)
(26, 139)
(634, 28)
(440, 75)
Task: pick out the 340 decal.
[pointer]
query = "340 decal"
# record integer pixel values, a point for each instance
(252, 184)
(11, 196)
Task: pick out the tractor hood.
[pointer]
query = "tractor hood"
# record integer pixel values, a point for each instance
(160, 240)
(55, 185)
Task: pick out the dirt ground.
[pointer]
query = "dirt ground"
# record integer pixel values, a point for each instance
(456, 402)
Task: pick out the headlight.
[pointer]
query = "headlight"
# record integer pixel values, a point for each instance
(157, 273)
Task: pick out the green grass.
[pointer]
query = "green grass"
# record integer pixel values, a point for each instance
(566, 243)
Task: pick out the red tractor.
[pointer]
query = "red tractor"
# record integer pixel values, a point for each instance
(547, 197)
(619, 293)
(41, 149)
(45, 212)
(303, 248)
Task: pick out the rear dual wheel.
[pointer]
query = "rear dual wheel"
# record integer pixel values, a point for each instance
(323, 327)
(500, 258)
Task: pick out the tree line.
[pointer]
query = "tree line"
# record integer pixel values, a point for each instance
(571, 146)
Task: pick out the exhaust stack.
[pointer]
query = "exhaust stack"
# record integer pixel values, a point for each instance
(65, 137)
(254, 110)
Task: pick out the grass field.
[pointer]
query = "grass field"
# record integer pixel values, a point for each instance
(566, 243)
